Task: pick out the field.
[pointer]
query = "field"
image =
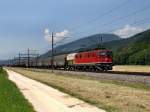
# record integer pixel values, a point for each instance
(132, 68)
(11, 100)
(112, 96)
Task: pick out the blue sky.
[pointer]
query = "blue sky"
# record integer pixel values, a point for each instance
(22, 22)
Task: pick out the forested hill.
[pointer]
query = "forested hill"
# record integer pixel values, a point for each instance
(134, 50)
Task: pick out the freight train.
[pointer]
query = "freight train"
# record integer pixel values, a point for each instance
(94, 60)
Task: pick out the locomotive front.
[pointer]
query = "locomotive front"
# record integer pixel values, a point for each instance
(105, 58)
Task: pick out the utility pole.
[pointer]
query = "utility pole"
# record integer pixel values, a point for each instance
(52, 51)
(14, 62)
(52, 60)
(101, 42)
(28, 57)
(37, 59)
(19, 59)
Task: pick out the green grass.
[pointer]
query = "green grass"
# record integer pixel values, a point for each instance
(11, 99)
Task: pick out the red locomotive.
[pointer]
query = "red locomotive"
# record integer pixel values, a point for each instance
(93, 60)
(94, 57)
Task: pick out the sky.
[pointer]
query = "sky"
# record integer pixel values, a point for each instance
(28, 23)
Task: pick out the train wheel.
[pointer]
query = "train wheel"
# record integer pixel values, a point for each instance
(105, 69)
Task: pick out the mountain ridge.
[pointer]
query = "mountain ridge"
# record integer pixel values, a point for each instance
(83, 42)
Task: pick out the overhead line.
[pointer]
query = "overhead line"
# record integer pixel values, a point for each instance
(103, 15)
(122, 18)
(137, 22)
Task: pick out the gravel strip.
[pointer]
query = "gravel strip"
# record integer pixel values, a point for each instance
(120, 77)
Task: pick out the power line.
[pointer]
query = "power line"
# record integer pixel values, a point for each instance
(102, 15)
(122, 17)
(26, 58)
(126, 16)
(122, 4)
(134, 23)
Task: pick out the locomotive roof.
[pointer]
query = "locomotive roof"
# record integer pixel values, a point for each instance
(93, 51)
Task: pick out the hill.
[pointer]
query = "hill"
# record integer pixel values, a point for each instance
(83, 43)
(134, 50)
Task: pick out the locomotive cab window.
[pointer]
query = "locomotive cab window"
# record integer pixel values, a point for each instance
(105, 53)
(110, 53)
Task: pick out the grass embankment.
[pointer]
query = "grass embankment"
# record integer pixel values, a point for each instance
(132, 68)
(11, 99)
(109, 95)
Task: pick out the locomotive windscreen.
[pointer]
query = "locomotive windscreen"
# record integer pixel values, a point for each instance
(105, 53)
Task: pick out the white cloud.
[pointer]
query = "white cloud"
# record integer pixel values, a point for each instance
(128, 31)
(62, 34)
(46, 31)
(47, 35)
(57, 36)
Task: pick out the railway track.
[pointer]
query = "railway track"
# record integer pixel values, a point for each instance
(111, 72)
(135, 77)
(130, 73)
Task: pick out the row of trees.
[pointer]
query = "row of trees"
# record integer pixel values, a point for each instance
(139, 58)
(137, 53)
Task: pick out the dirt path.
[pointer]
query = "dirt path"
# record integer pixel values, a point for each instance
(47, 99)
